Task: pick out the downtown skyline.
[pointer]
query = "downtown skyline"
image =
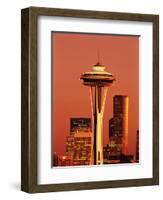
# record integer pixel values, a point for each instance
(79, 142)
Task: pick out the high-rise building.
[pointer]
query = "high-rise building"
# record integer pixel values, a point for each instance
(115, 126)
(79, 144)
(80, 125)
(115, 139)
(111, 127)
(118, 125)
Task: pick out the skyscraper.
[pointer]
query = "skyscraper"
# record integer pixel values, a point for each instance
(118, 125)
(98, 80)
(121, 114)
(111, 127)
(115, 139)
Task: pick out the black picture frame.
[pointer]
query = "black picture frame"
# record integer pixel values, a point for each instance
(29, 134)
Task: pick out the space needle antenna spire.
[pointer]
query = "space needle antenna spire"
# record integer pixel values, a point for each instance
(98, 57)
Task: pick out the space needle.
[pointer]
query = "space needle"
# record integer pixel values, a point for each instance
(98, 80)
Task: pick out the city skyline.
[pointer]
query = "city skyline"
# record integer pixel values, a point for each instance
(79, 142)
(70, 63)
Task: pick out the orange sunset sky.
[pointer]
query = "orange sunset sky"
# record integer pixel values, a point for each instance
(75, 53)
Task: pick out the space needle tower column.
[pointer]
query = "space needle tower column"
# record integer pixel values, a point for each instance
(98, 80)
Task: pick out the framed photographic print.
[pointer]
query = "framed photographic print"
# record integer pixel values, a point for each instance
(90, 99)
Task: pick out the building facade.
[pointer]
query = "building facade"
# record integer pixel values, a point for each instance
(118, 126)
(80, 125)
(79, 144)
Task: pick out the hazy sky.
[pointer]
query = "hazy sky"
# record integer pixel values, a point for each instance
(73, 54)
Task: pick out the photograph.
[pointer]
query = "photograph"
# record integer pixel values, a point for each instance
(95, 99)
(90, 99)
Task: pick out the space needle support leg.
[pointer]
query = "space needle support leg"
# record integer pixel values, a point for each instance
(104, 99)
(97, 99)
(95, 124)
(92, 122)
(99, 152)
(101, 93)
